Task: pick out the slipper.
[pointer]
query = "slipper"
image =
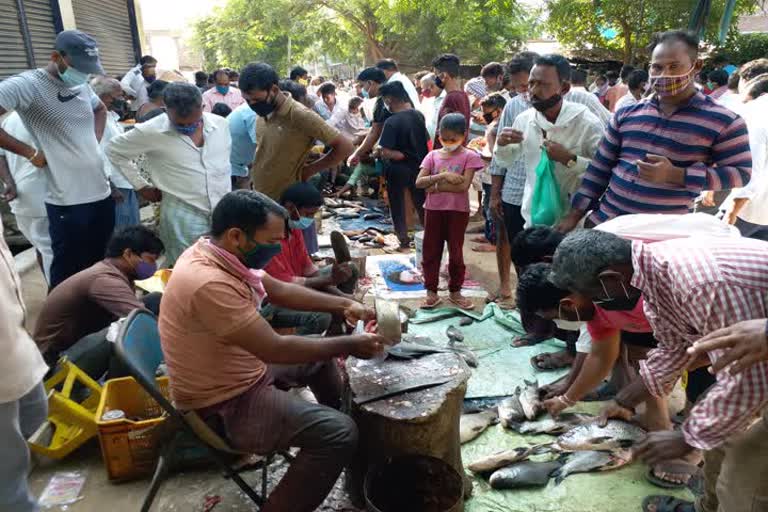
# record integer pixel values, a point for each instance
(486, 247)
(506, 303)
(548, 361)
(675, 466)
(667, 504)
(462, 303)
(527, 340)
(427, 304)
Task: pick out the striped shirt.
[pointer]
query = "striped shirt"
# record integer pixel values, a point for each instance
(691, 287)
(705, 138)
(514, 180)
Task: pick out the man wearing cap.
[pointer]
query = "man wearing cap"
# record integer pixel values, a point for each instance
(66, 121)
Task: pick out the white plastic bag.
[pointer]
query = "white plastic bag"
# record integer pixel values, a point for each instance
(652, 227)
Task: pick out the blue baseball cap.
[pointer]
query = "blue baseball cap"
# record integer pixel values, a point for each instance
(81, 51)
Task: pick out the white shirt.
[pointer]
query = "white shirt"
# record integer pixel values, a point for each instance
(576, 128)
(198, 176)
(133, 84)
(625, 101)
(30, 181)
(408, 85)
(111, 130)
(22, 367)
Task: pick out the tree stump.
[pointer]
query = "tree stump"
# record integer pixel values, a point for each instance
(419, 422)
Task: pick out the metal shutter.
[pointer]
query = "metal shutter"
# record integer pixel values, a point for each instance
(108, 21)
(41, 29)
(13, 55)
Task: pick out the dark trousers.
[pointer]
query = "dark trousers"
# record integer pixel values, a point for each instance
(79, 236)
(490, 226)
(750, 230)
(513, 220)
(441, 226)
(396, 187)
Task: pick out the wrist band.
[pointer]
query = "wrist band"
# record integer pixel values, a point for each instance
(37, 152)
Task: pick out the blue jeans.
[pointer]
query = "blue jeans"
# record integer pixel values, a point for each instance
(19, 420)
(490, 227)
(127, 211)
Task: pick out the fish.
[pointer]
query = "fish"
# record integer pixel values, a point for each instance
(549, 425)
(511, 410)
(482, 403)
(454, 334)
(529, 399)
(340, 247)
(371, 216)
(465, 320)
(472, 425)
(591, 436)
(504, 458)
(591, 460)
(524, 474)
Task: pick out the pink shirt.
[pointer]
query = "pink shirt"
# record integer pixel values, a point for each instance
(232, 99)
(459, 161)
(608, 323)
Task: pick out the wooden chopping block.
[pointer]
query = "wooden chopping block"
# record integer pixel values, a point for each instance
(388, 319)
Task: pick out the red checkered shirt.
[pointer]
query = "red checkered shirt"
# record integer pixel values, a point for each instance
(691, 287)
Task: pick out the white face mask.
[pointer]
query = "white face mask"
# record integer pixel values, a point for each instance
(451, 148)
(568, 325)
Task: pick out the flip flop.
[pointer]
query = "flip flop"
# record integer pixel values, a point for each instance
(548, 363)
(667, 504)
(527, 340)
(463, 303)
(506, 303)
(427, 304)
(678, 467)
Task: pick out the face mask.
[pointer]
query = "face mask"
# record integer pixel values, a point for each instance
(526, 97)
(145, 270)
(666, 86)
(426, 94)
(450, 148)
(544, 105)
(118, 105)
(439, 82)
(187, 129)
(365, 94)
(568, 325)
(710, 85)
(488, 118)
(259, 256)
(72, 77)
(151, 78)
(304, 82)
(625, 303)
(302, 224)
(222, 89)
(264, 108)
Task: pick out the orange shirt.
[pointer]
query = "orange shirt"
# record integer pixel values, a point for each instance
(204, 303)
(614, 94)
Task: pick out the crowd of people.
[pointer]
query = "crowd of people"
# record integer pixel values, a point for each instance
(586, 182)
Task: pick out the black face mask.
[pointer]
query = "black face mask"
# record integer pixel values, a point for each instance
(264, 108)
(439, 82)
(543, 105)
(619, 304)
(488, 118)
(119, 105)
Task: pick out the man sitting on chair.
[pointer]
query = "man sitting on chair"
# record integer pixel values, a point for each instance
(227, 363)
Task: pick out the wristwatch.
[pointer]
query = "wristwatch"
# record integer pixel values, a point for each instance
(572, 161)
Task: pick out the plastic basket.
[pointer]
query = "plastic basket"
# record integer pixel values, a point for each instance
(130, 445)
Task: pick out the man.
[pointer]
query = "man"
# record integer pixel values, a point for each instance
(579, 80)
(403, 146)
(222, 92)
(327, 105)
(690, 287)
(76, 315)
(508, 184)
(188, 155)
(637, 82)
(745, 344)
(446, 70)
(23, 402)
(393, 74)
(286, 131)
(648, 167)
(433, 97)
(293, 265)
(137, 79)
(618, 91)
(25, 191)
(718, 82)
(110, 93)
(66, 121)
(490, 80)
(372, 79)
(236, 375)
(572, 135)
(242, 129)
(300, 75)
(201, 81)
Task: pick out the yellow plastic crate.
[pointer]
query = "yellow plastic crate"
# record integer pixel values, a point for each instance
(130, 446)
(72, 423)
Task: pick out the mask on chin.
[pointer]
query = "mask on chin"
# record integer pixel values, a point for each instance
(544, 105)
(72, 77)
(568, 325)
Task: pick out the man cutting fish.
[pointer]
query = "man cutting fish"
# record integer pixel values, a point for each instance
(691, 288)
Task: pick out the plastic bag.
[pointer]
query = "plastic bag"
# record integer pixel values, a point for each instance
(63, 489)
(657, 227)
(546, 206)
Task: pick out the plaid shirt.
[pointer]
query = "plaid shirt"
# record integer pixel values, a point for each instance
(691, 287)
(514, 180)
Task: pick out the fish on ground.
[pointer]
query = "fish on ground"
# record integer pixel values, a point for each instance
(591, 436)
(482, 403)
(529, 399)
(504, 458)
(549, 425)
(591, 460)
(524, 474)
(472, 425)
(511, 410)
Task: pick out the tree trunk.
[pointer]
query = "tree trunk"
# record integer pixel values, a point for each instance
(626, 33)
(373, 52)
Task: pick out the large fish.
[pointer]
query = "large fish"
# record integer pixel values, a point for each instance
(529, 399)
(482, 403)
(472, 425)
(524, 474)
(511, 410)
(506, 457)
(591, 436)
(549, 425)
(592, 460)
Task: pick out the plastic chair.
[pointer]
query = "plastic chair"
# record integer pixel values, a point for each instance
(138, 346)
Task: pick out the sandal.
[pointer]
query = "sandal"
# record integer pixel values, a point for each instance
(527, 340)
(462, 303)
(676, 466)
(431, 303)
(551, 361)
(506, 303)
(667, 504)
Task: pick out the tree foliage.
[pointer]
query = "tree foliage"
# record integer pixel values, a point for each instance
(587, 24)
(741, 48)
(362, 31)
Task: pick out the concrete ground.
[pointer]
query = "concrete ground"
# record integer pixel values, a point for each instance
(184, 491)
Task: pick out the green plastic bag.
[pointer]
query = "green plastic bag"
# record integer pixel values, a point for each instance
(546, 207)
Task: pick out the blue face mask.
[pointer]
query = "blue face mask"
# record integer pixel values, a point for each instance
(72, 77)
(259, 256)
(187, 129)
(222, 89)
(365, 94)
(302, 224)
